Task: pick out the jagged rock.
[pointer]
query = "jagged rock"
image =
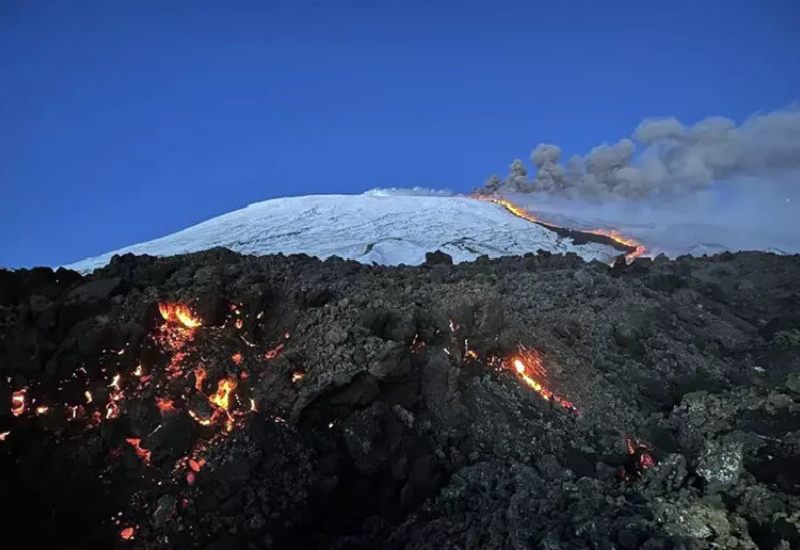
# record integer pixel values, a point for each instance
(370, 437)
(793, 382)
(379, 425)
(165, 510)
(720, 465)
(438, 258)
(100, 289)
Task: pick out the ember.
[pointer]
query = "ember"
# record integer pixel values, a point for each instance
(112, 410)
(18, 402)
(165, 405)
(237, 358)
(144, 454)
(274, 352)
(639, 459)
(4, 435)
(297, 376)
(127, 533)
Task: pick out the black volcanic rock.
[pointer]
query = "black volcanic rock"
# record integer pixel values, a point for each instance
(353, 406)
(438, 258)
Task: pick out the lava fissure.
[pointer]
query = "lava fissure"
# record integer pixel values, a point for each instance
(610, 237)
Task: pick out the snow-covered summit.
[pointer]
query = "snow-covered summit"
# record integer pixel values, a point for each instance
(386, 229)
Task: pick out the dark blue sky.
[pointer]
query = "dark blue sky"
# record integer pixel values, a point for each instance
(125, 121)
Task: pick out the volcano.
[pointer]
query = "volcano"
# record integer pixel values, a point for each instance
(386, 229)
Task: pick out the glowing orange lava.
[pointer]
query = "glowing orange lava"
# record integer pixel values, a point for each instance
(237, 358)
(127, 533)
(144, 454)
(611, 234)
(199, 378)
(165, 405)
(528, 364)
(222, 398)
(202, 421)
(18, 402)
(178, 313)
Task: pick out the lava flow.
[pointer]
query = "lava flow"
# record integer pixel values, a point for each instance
(637, 249)
(529, 366)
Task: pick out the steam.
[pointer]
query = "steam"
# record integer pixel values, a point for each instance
(672, 160)
(413, 191)
(735, 216)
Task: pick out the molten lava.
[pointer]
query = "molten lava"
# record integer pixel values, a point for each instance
(614, 235)
(199, 420)
(127, 533)
(199, 378)
(529, 366)
(178, 313)
(222, 398)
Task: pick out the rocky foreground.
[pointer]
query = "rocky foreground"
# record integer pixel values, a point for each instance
(223, 401)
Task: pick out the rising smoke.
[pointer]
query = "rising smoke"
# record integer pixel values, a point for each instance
(672, 159)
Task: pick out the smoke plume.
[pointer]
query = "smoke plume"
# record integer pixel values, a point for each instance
(672, 159)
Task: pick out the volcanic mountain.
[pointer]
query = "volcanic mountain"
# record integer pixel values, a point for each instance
(372, 228)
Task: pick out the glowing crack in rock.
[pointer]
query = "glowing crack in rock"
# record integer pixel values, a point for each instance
(529, 367)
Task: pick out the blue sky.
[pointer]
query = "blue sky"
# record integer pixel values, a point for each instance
(125, 121)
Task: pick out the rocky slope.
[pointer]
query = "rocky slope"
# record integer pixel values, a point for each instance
(519, 402)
